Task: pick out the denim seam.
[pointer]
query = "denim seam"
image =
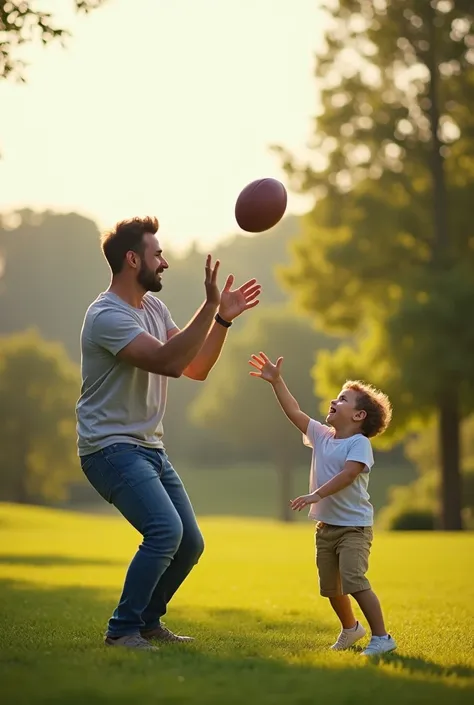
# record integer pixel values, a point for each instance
(131, 446)
(131, 487)
(135, 447)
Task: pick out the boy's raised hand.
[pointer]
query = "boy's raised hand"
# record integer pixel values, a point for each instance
(265, 368)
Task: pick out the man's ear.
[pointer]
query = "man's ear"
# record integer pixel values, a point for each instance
(132, 259)
(359, 415)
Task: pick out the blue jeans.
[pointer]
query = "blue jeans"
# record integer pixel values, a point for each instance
(143, 485)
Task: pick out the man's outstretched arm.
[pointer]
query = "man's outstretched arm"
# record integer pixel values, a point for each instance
(233, 303)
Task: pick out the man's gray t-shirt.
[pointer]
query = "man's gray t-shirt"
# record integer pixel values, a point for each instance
(120, 403)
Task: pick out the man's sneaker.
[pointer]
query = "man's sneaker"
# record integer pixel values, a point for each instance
(380, 645)
(132, 641)
(348, 637)
(162, 633)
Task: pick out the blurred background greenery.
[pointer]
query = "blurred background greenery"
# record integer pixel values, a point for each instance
(375, 281)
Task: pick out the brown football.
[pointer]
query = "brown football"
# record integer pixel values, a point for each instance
(261, 205)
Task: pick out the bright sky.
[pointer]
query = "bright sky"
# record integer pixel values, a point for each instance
(166, 109)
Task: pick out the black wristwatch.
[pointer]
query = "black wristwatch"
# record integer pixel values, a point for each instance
(219, 319)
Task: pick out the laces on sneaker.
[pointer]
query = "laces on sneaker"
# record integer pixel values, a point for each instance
(138, 641)
(342, 638)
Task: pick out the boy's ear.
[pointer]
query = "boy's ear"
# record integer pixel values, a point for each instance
(359, 415)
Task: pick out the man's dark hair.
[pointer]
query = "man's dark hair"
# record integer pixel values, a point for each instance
(127, 235)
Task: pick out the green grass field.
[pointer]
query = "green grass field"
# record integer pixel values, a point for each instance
(262, 632)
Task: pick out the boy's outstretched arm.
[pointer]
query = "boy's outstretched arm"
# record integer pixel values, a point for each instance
(271, 373)
(352, 469)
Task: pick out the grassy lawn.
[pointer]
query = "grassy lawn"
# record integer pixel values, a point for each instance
(262, 633)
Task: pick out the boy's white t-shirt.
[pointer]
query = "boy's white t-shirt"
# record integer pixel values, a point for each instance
(350, 506)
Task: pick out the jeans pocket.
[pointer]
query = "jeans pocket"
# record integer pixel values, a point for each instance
(99, 475)
(131, 466)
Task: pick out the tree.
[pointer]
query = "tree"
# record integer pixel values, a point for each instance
(38, 390)
(52, 271)
(387, 252)
(22, 24)
(242, 411)
(416, 505)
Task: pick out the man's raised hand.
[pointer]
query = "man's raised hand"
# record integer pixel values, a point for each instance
(213, 295)
(236, 301)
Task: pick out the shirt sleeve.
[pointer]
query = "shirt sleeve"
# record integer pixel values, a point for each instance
(314, 431)
(113, 329)
(361, 452)
(169, 323)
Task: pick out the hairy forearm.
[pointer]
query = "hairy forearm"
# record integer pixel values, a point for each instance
(208, 354)
(183, 347)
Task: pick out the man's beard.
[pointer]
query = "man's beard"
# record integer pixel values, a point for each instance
(148, 279)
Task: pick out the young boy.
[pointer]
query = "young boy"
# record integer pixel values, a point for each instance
(339, 501)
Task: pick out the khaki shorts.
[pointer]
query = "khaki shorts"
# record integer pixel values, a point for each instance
(342, 557)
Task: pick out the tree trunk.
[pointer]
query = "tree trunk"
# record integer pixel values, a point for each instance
(19, 459)
(285, 481)
(440, 205)
(21, 495)
(449, 410)
(449, 444)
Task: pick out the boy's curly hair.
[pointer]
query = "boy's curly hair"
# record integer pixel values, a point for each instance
(375, 403)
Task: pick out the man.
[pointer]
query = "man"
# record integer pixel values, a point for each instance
(130, 346)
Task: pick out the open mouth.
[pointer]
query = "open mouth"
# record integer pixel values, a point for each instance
(332, 410)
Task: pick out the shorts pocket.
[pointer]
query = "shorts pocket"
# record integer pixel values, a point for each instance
(368, 533)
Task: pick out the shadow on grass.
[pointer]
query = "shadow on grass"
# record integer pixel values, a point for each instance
(51, 651)
(412, 664)
(53, 560)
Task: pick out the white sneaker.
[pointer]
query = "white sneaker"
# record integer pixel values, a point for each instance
(131, 641)
(348, 637)
(380, 645)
